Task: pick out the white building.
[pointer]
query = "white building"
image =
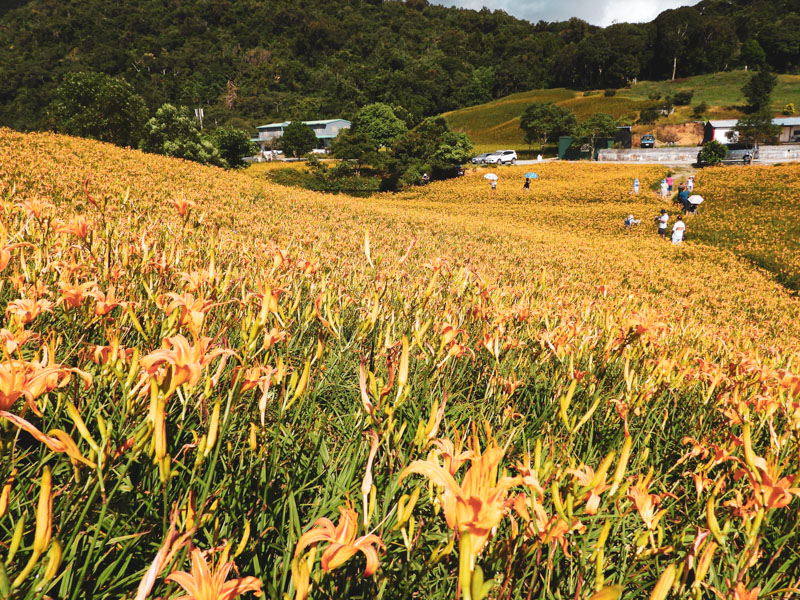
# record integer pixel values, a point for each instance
(724, 130)
(325, 131)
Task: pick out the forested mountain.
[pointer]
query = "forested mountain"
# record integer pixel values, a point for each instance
(249, 61)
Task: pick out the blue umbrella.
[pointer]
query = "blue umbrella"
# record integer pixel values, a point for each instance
(531, 176)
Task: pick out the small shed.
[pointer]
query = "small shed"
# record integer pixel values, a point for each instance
(624, 137)
(790, 129)
(722, 131)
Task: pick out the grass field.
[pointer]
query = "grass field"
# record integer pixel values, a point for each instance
(496, 124)
(444, 393)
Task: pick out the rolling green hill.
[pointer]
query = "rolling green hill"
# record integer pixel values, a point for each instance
(496, 123)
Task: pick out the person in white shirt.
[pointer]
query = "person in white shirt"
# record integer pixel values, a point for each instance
(664, 188)
(690, 184)
(662, 220)
(677, 230)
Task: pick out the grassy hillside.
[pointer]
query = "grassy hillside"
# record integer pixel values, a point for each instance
(482, 389)
(496, 124)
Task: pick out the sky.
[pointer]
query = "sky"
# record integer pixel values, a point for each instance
(597, 12)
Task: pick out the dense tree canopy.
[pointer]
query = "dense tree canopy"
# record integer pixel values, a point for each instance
(251, 61)
(379, 123)
(98, 106)
(298, 139)
(546, 121)
(173, 132)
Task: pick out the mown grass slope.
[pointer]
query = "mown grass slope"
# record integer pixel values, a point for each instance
(496, 124)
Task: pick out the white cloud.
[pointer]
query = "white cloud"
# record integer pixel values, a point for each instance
(598, 12)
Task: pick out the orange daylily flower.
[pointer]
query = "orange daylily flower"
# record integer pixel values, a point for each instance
(645, 502)
(72, 296)
(202, 584)
(473, 508)
(31, 380)
(77, 227)
(192, 310)
(182, 205)
(740, 592)
(451, 453)
(548, 530)
(5, 250)
(584, 477)
(186, 361)
(106, 301)
(10, 341)
(343, 542)
(26, 309)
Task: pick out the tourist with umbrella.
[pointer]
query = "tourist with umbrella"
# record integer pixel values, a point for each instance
(492, 180)
(693, 202)
(528, 177)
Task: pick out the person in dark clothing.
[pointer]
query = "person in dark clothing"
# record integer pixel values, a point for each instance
(527, 185)
(683, 199)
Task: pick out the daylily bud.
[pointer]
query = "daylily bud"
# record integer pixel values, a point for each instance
(44, 513)
(664, 583)
(213, 428)
(6, 493)
(53, 560)
(619, 473)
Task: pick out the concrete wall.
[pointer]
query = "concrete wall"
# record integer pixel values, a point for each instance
(655, 155)
(689, 155)
(778, 153)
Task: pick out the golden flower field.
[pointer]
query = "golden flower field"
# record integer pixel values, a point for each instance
(215, 387)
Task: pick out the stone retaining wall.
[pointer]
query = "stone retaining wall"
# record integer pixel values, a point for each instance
(688, 155)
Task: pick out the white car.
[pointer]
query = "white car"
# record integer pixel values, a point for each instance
(502, 157)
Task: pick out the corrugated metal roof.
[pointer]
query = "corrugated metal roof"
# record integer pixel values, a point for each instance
(324, 122)
(724, 123)
(787, 121)
(782, 122)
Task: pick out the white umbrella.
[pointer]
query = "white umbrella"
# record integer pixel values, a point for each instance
(490, 176)
(695, 199)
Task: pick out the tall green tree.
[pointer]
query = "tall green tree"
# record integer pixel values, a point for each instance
(758, 90)
(752, 54)
(173, 132)
(542, 122)
(233, 145)
(99, 106)
(379, 122)
(298, 139)
(600, 125)
(757, 128)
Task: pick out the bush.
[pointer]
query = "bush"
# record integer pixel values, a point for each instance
(683, 98)
(648, 116)
(655, 96)
(610, 93)
(700, 109)
(712, 153)
(589, 93)
(789, 109)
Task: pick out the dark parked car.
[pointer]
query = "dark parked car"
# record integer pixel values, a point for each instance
(741, 155)
(648, 141)
(480, 159)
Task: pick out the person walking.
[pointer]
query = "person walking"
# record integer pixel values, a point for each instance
(662, 220)
(663, 188)
(677, 231)
(683, 199)
(636, 186)
(493, 183)
(527, 185)
(690, 184)
(670, 181)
